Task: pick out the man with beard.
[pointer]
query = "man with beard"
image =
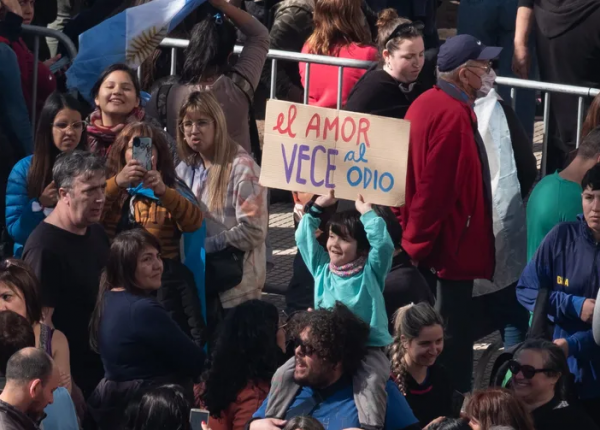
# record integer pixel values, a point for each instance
(447, 219)
(67, 252)
(330, 344)
(31, 379)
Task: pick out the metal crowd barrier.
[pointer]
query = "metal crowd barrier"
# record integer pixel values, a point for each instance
(275, 55)
(341, 63)
(37, 33)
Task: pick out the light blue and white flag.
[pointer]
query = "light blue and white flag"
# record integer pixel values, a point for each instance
(129, 37)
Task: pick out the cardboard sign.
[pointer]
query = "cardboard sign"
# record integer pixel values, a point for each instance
(313, 149)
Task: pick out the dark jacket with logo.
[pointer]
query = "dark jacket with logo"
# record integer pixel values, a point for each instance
(447, 217)
(13, 419)
(567, 264)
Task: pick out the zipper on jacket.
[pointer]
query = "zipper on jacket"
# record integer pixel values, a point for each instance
(462, 234)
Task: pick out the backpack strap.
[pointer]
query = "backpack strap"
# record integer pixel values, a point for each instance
(161, 103)
(243, 84)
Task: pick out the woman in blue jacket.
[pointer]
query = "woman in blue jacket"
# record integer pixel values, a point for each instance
(31, 194)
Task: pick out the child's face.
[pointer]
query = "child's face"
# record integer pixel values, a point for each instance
(341, 251)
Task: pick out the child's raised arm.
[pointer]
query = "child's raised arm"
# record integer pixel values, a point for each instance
(312, 252)
(382, 247)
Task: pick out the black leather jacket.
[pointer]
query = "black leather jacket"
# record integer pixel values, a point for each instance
(13, 419)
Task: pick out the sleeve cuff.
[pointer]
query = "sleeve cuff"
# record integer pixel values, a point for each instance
(578, 304)
(368, 216)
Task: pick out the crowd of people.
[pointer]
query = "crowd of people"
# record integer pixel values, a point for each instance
(104, 325)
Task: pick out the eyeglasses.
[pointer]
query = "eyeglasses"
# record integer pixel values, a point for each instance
(188, 126)
(528, 371)
(305, 348)
(75, 126)
(487, 68)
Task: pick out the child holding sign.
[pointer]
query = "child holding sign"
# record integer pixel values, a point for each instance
(352, 271)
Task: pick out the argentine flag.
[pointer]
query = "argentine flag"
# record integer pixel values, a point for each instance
(129, 37)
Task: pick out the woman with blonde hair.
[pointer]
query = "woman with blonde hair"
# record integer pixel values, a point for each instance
(341, 30)
(418, 342)
(403, 73)
(224, 179)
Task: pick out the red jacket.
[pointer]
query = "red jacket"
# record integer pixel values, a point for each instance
(447, 218)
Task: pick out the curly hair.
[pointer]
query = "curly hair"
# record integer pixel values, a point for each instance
(408, 322)
(336, 335)
(246, 350)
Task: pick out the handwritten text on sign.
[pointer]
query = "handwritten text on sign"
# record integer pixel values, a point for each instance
(314, 149)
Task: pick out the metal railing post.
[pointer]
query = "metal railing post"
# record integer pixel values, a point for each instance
(339, 86)
(273, 92)
(513, 98)
(36, 55)
(307, 80)
(546, 134)
(173, 61)
(579, 121)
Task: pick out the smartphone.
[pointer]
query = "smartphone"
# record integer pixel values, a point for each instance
(196, 418)
(64, 61)
(142, 151)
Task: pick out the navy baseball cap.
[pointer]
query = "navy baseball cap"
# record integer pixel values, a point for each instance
(459, 49)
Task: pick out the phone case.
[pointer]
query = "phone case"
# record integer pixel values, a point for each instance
(142, 151)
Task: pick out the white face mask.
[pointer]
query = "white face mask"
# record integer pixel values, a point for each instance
(487, 83)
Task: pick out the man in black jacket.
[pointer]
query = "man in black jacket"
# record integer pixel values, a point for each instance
(31, 378)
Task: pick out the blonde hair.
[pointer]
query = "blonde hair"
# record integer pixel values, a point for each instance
(205, 103)
(338, 23)
(408, 322)
(387, 21)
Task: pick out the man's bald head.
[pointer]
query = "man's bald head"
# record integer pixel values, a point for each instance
(27, 365)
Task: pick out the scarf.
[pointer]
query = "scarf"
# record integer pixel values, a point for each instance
(100, 138)
(350, 269)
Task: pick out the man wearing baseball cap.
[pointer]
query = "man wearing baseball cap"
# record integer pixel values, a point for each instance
(447, 218)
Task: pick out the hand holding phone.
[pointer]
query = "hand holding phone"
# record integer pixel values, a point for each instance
(59, 65)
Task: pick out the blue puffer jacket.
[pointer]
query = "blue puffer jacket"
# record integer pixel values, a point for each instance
(21, 220)
(567, 263)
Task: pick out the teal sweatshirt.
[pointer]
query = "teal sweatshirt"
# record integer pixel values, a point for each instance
(361, 293)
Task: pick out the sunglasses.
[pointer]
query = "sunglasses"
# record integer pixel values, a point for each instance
(406, 29)
(527, 371)
(305, 349)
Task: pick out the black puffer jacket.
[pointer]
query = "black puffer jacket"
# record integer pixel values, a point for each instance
(13, 419)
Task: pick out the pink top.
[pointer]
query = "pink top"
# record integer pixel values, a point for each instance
(322, 90)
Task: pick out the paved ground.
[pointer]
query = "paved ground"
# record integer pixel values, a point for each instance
(281, 236)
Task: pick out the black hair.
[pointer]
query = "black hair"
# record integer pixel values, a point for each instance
(119, 271)
(347, 225)
(246, 350)
(29, 364)
(391, 221)
(591, 179)
(211, 43)
(450, 424)
(554, 358)
(45, 151)
(304, 422)
(163, 407)
(336, 335)
(16, 333)
(119, 67)
(590, 145)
